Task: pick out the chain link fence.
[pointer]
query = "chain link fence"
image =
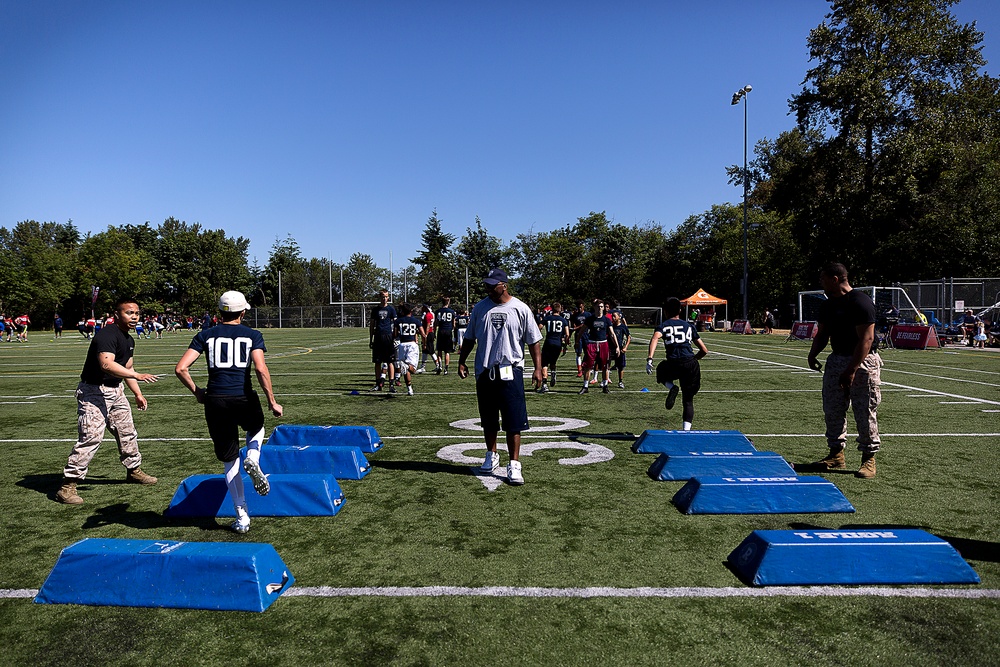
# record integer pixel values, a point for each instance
(948, 297)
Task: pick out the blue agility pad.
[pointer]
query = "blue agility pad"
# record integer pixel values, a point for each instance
(234, 576)
(823, 557)
(346, 462)
(676, 442)
(760, 495)
(365, 437)
(291, 495)
(688, 465)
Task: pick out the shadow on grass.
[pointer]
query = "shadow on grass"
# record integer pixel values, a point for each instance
(49, 484)
(424, 466)
(119, 514)
(974, 549)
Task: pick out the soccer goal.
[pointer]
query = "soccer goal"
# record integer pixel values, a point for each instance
(886, 299)
(642, 316)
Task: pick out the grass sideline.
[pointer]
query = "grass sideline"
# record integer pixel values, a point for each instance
(419, 520)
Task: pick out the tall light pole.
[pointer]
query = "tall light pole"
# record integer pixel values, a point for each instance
(741, 94)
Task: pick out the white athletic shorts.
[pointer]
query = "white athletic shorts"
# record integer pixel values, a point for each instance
(408, 354)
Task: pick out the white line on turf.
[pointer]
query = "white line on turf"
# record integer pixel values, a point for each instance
(612, 592)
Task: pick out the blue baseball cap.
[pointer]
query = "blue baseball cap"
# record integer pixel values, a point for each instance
(495, 276)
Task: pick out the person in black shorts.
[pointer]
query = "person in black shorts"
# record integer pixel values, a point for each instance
(555, 327)
(681, 364)
(380, 328)
(231, 348)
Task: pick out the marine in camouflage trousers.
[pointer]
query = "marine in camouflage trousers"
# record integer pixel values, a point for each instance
(100, 407)
(864, 397)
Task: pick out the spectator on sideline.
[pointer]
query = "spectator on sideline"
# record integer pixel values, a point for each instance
(852, 377)
(501, 324)
(230, 402)
(57, 326)
(681, 364)
(101, 403)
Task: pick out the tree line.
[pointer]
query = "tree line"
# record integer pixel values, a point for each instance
(892, 167)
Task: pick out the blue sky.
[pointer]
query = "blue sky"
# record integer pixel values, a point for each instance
(344, 124)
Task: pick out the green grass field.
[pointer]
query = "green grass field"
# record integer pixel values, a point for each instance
(419, 520)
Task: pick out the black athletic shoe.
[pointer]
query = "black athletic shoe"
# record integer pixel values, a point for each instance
(605, 390)
(584, 390)
(552, 379)
(671, 398)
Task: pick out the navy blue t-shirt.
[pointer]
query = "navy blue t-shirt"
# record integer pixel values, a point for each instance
(383, 317)
(227, 348)
(408, 327)
(445, 319)
(677, 336)
(555, 329)
(596, 328)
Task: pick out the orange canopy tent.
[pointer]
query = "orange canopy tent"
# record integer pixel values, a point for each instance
(703, 298)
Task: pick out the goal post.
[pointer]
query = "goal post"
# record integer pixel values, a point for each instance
(642, 316)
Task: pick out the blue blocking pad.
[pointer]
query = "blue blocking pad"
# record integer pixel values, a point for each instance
(688, 465)
(676, 442)
(365, 437)
(234, 576)
(760, 495)
(860, 557)
(290, 495)
(343, 462)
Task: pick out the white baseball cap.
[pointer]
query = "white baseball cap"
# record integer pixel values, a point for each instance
(233, 302)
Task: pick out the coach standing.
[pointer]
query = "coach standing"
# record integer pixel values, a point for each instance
(101, 403)
(853, 370)
(502, 325)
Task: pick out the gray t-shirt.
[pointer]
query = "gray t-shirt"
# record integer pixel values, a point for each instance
(501, 330)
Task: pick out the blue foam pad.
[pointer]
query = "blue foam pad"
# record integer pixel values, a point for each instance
(236, 576)
(689, 465)
(760, 495)
(658, 442)
(346, 462)
(291, 495)
(365, 437)
(823, 557)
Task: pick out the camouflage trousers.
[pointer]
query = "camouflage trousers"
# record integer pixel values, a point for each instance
(99, 407)
(864, 397)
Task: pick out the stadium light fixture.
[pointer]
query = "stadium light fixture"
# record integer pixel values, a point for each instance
(741, 94)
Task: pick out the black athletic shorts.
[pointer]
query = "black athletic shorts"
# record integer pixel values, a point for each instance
(429, 343)
(383, 351)
(502, 399)
(225, 416)
(687, 370)
(550, 354)
(445, 342)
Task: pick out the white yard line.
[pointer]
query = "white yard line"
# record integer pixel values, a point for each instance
(613, 592)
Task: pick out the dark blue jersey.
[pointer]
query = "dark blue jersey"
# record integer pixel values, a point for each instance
(596, 328)
(677, 336)
(383, 317)
(462, 321)
(227, 348)
(445, 319)
(621, 333)
(408, 327)
(555, 329)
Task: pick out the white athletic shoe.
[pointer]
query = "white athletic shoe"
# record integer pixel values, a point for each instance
(514, 473)
(242, 523)
(409, 390)
(491, 463)
(260, 483)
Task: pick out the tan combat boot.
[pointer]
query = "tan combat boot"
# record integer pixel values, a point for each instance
(867, 469)
(834, 460)
(67, 493)
(137, 476)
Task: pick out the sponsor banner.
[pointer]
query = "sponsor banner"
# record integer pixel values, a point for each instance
(741, 327)
(803, 330)
(913, 337)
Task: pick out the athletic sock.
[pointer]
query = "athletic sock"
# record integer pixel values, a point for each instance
(254, 443)
(234, 482)
(687, 426)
